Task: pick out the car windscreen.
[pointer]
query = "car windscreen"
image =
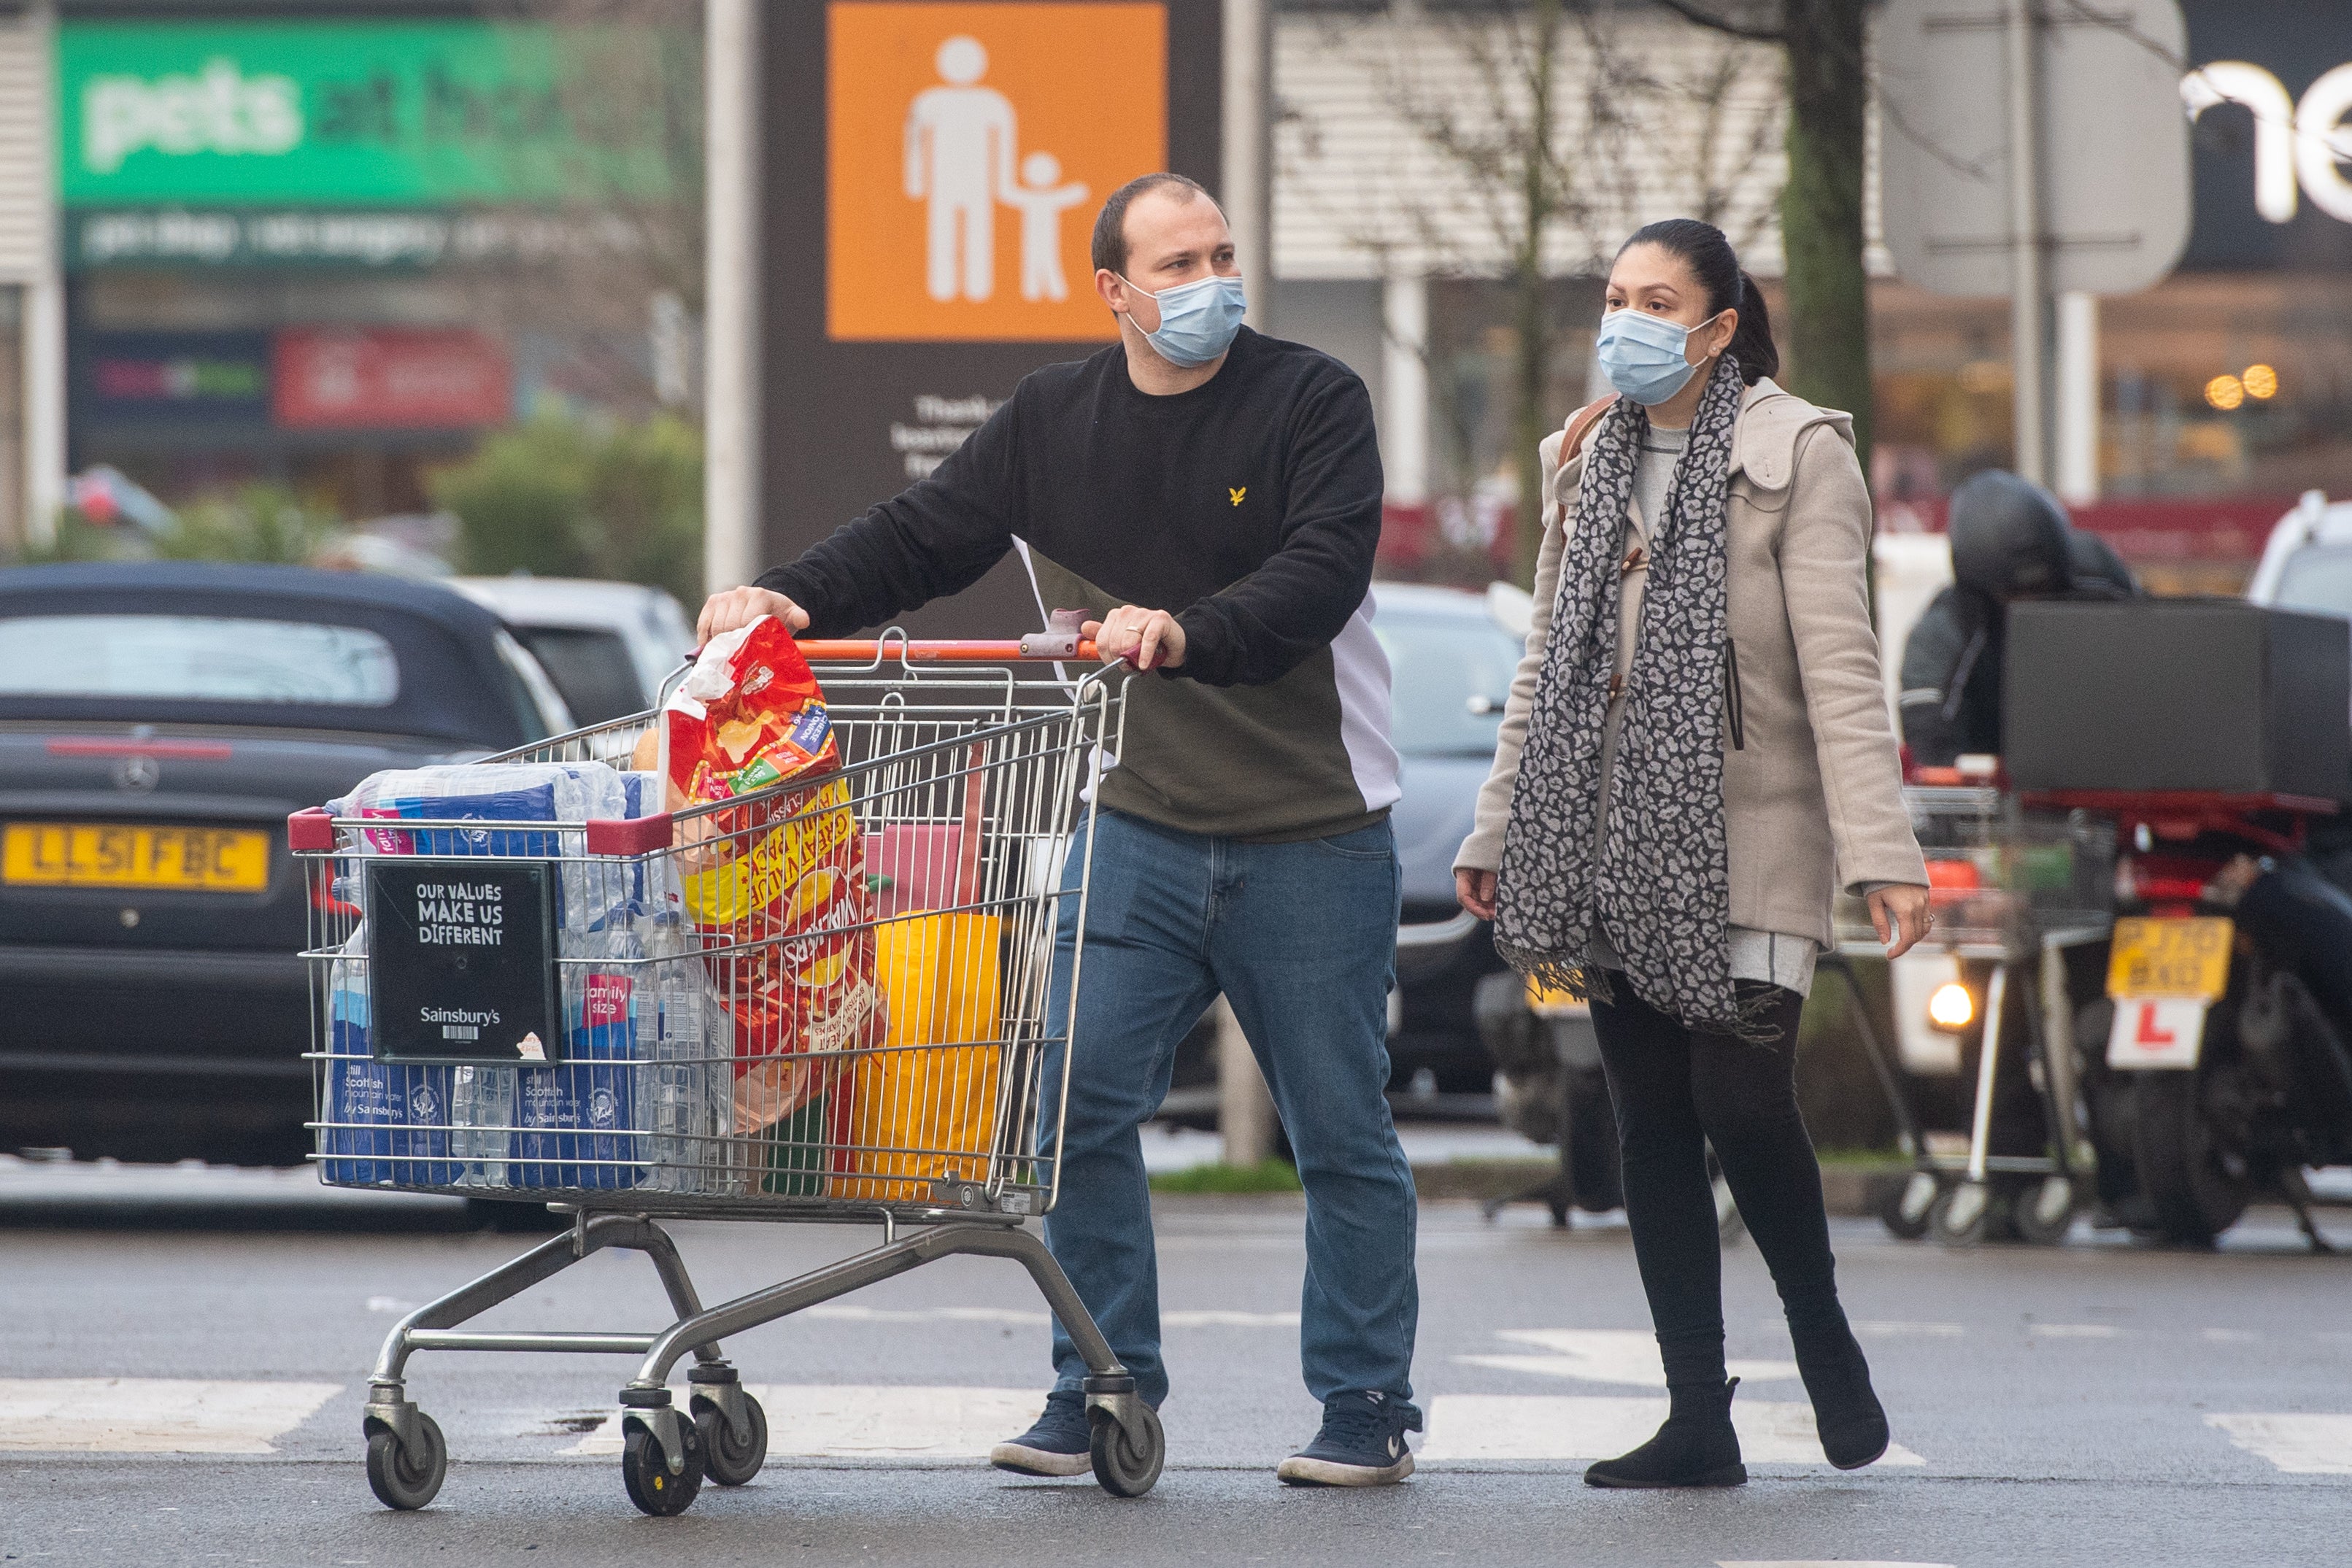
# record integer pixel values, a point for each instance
(2317, 578)
(591, 668)
(202, 658)
(1451, 673)
(161, 654)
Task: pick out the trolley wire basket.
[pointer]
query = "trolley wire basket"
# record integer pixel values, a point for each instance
(2011, 889)
(2001, 876)
(824, 1000)
(736, 1030)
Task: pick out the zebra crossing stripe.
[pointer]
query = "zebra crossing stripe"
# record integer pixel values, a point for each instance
(152, 1414)
(1173, 1318)
(872, 1421)
(1628, 1356)
(1470, 1427)
(2298, 1445)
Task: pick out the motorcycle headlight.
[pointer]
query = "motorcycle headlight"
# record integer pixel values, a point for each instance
(1952, 1007)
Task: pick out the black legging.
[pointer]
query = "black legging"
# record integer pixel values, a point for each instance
(1675, 1092)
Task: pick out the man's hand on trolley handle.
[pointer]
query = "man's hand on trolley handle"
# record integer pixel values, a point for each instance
(1900, 914)
(1148, 639)
(739, 607)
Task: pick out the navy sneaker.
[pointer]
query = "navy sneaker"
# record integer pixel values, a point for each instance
(1056, 1446)
(1361, 1444)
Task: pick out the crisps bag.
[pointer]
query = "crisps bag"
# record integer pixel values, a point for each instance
(775, 890)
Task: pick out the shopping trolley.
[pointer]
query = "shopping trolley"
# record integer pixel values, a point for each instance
(670, 1073)
(2013, 892)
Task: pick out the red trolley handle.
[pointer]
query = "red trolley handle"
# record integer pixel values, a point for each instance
(1039, 645)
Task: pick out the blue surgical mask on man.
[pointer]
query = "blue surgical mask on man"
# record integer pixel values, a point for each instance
(1197, 319)
(1643, 355)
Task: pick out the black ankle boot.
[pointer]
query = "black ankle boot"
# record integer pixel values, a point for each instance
(1696, 1447)
(1846, 1411)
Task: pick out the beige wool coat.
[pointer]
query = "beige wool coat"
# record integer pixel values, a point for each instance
(1813, 801)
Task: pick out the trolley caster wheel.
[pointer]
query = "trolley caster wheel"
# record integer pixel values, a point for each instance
(645, 1470)
(406, 1477)
(1905, 1214)
(1959, 1217)
(730, 1457)
(2043, 1214)
(1124, 1467)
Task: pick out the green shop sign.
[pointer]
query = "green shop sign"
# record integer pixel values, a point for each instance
(385, 114)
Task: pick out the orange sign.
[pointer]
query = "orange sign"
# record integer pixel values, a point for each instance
(970, 147)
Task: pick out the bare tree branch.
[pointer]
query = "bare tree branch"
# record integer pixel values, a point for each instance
(629, 230)
(1752, 32)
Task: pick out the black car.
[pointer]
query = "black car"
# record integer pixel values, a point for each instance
(1452, 656)
(158, 723)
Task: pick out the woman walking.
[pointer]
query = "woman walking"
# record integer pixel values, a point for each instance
(1695, 755)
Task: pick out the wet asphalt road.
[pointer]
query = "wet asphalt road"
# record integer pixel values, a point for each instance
(2092, 1405)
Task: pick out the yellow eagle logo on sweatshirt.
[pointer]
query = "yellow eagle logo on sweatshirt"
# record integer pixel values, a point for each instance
(1237, 495)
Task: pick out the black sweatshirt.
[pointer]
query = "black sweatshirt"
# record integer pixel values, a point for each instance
(1249, 505)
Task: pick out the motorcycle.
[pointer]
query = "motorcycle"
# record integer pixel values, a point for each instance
(2223, 1077)
(1549, 1088)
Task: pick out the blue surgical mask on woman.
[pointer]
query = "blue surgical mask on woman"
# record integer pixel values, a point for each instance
(1197, 319)
(1643, 355)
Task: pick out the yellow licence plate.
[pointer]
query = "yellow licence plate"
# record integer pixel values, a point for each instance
(112, 854)
(2170, 958)
(1548, 1003)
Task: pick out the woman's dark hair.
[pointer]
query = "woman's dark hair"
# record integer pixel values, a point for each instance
(1708, 255)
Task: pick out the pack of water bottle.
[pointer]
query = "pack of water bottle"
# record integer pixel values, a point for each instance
(641, 1094)
(590, 894)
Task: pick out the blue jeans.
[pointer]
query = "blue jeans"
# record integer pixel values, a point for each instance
(1301, 938)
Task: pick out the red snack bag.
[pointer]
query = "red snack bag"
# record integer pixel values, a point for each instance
(749, 715)
(779, 883)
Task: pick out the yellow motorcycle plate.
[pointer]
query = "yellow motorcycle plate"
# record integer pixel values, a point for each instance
(2170, 958)
(1548, 1003)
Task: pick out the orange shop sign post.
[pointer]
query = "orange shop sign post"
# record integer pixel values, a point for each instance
(968, 148)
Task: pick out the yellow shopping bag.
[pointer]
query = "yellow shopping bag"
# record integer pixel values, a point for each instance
(923, 1107)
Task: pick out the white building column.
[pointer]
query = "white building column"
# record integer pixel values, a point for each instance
(1247, 178)
(45, 407)
(1245, 1118)
(731, 428)
(1404, 388)
(2077, 469)
(43, 324)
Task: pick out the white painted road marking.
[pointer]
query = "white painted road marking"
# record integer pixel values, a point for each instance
(852, 1312)
(1206, 1319)
(2074, 1331)
(1832, 1563)
(152, 1414)
(1892, 1329)
(1468, 1426)
(1628, 1356)
(872, 1421)
(2299, 1445)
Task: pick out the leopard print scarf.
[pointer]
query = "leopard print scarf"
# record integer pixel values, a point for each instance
(1656, 880)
